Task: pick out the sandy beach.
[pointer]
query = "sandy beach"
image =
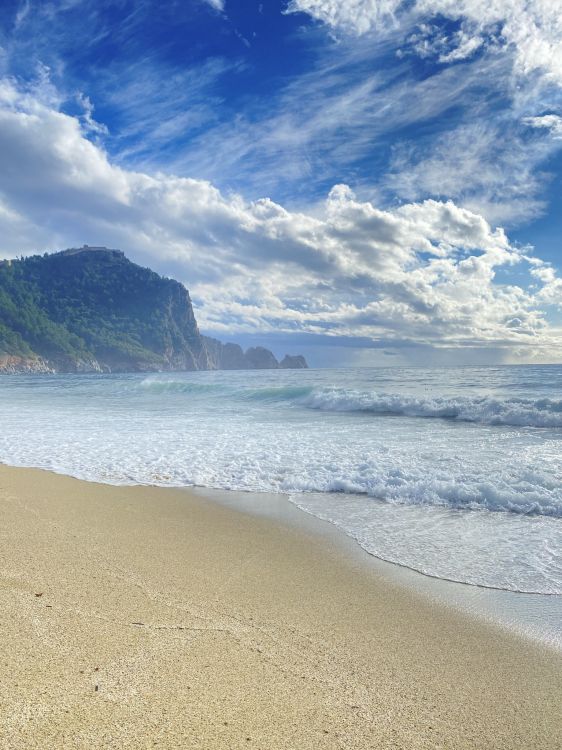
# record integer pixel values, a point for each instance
(139, 617)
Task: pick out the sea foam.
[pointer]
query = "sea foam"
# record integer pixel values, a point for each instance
(517, 412)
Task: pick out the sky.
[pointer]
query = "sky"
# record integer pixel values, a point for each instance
(367, 182)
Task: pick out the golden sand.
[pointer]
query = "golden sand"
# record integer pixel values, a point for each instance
(143, 617)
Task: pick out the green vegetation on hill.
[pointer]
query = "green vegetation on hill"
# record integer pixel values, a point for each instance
(94, 309)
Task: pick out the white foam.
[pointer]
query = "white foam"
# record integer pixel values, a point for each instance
(543, 412)
(444, 543)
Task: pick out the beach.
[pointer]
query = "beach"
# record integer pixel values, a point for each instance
(137, 617)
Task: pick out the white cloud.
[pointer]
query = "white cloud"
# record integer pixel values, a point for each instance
(488, 167)
(425, 272)
(552, 123)
(159, 104)
(352, 16)
(90, 124)
(464, 46)
(529, 29)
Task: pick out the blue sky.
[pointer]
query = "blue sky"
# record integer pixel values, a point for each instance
(367, 181)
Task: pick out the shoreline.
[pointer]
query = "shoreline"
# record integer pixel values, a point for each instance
(203, 626)
(538, 620)
(533, 616)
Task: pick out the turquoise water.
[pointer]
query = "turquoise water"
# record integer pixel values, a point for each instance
(453, 472)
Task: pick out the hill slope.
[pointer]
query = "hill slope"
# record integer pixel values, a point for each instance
(91, 309)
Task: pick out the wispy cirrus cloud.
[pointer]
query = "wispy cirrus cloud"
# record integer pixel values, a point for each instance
(158, 109)
(483, 155)
(489, 167)
(337, 118)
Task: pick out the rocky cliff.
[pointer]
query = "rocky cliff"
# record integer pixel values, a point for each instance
(90, 309)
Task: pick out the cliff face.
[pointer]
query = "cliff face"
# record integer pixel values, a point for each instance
(92, 310)
(225, 356)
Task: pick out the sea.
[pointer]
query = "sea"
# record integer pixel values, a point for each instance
(453, 472)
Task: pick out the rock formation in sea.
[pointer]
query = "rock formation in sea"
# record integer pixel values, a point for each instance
(293, 362)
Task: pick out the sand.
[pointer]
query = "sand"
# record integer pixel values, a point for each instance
(137, 617)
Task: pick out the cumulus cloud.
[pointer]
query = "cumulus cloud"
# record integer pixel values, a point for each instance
(425, 272)
(531, 29)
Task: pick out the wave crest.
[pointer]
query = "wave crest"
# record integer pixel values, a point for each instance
(483, 410)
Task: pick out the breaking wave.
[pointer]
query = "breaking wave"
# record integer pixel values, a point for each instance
(515, 412)
(485, 410)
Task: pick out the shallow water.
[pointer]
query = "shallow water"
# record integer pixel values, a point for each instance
(452, 472)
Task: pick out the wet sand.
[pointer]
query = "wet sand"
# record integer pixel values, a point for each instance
(140, 617)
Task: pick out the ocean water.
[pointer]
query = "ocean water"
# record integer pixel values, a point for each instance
(456, 472)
